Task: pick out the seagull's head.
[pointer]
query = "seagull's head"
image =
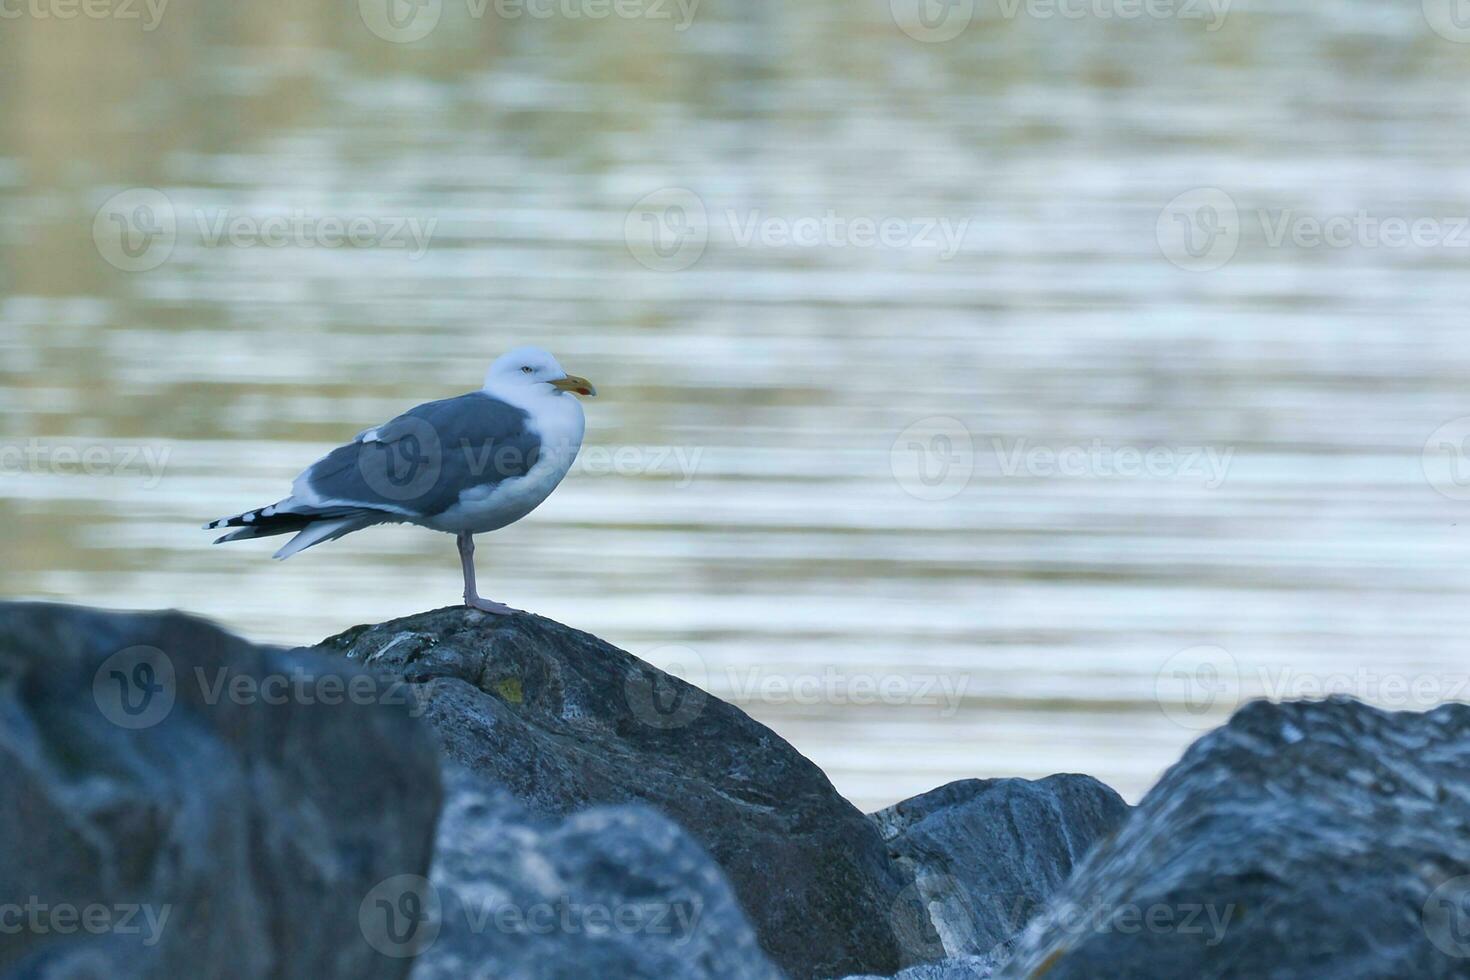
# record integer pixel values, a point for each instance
(527, 366)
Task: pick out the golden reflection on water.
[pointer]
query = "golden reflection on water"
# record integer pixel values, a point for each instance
(748, 507)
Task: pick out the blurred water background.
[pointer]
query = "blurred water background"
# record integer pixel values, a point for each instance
(936, 429)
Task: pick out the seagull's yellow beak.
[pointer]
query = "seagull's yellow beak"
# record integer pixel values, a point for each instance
(574, 384)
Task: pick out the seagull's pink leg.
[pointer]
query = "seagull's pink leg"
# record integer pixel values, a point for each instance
(472, 598)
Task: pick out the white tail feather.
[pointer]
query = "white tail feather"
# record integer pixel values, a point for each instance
(323, 531)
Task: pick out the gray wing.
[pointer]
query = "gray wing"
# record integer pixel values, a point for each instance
(419, 463)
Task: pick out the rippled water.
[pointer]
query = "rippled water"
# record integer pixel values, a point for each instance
(912, 440)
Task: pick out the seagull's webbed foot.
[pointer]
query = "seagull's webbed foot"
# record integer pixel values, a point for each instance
(488, 606)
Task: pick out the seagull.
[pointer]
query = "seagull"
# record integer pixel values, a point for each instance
(462, 465)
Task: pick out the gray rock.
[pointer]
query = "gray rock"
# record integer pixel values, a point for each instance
(1325, 839)
(617, 892)
(154, 823)
(566, 721)
(984, 855)
(959, 968)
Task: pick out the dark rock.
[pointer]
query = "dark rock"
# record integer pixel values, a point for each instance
(566, 721)
(984, 855)
(617, 892)
(1325, 839)
(960, 968)
(155, 823)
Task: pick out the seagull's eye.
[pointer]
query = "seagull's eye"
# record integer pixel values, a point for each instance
(526, 369)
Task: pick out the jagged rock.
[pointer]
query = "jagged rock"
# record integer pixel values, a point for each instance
(617, 892)
(984, 855)
(566, 721)
(201, 799)
(1325, 839)
(960, 968)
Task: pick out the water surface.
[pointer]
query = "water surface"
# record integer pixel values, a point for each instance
(951, 504)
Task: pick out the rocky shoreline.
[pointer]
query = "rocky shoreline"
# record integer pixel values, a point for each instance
(452, 795)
